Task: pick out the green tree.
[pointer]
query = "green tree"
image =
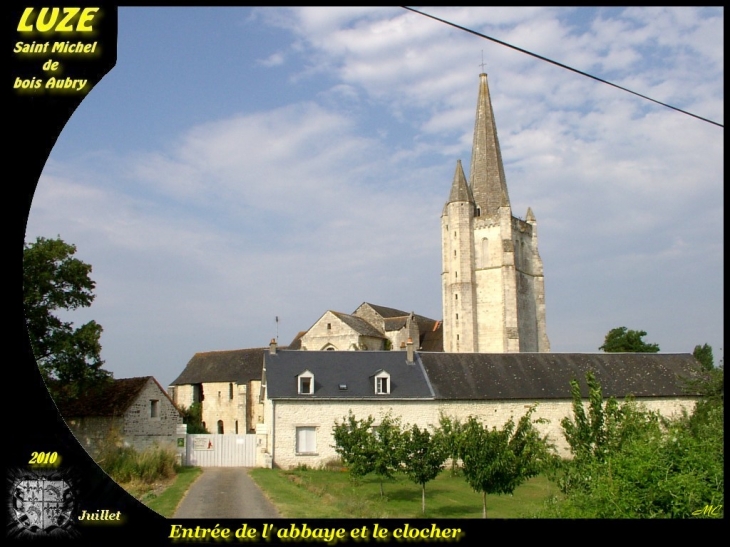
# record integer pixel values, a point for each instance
(622, 340)
(386, 449)
(592, 437)
(193, 418)
(631, 463)
(423, 458)
(450, 434)
(355, 445)
(704, 355)
(69, 358)
(496, 461)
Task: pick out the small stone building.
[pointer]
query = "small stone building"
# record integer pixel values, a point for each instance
(307, 391)
(228, 384)
(136, 411)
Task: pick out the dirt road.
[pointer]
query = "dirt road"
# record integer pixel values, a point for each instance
(225, 492)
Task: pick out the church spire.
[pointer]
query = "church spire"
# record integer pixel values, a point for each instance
(487, 181)
(459, 189)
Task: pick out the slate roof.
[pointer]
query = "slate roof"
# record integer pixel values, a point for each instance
(297, 342)
(432, 336)
(395, 323)
(238, 365)
(355, 369)
(478, 376)
(534, 376)
(358, 324)
(112, 400)
(386, 313)
(430, 330)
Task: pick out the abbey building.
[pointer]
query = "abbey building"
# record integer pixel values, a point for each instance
(493, 285)
(488, 357)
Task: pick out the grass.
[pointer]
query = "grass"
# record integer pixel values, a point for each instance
(166, 502)
(152, 476)
(306, 493)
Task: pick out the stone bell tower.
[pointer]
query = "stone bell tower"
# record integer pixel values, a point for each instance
(493, 284)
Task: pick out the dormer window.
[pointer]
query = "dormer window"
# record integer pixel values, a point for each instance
(305, 383)
(382, 383)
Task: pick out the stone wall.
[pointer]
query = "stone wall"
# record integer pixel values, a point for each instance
(145, 426)
(138, 428)
(224, 402)
(287, 416)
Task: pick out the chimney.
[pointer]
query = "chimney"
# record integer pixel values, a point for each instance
(272, 347)
(409, 350)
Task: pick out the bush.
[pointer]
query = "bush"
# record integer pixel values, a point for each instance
(125, 464)
(631, 463)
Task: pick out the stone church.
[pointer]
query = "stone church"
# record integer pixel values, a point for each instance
(492, 277)
(493, 285)
(489, 356)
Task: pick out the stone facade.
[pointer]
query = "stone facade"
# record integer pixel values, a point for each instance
(229, 407)
(492, 280)
(148, 418)
(228, 386)
(341, 332)
(289, 415)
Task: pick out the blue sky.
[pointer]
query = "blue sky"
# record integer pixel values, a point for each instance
(240, 164)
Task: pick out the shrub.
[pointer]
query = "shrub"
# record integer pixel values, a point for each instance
(125, 464)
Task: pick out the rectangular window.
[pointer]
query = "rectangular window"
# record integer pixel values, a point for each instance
(381, 385)
(307, 440)
(305, 385)
(154, 408)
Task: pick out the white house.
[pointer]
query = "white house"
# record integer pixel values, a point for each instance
(306, 392)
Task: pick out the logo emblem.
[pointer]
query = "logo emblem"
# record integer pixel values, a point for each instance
(42, 505)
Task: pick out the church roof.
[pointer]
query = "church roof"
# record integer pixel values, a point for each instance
(486, 174)
(384, 312)
(238, 365)
(358, 324)
(536, 376)
(353, 370)
(459, 188)
(395, 323)
(297, 342)
(432, 336)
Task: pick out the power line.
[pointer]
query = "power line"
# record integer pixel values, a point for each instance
(562, 65)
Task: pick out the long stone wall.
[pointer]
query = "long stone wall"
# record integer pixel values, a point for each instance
(320, 416)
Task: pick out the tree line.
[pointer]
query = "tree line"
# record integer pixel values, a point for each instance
(492, 460)
(626, 461)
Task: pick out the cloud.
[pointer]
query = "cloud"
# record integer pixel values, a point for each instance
(333, 197)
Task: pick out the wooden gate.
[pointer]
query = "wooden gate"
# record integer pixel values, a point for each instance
(221, 450)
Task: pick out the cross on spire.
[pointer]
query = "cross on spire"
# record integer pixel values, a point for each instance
(482, 63)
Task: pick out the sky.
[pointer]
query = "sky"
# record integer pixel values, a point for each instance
(243, 164)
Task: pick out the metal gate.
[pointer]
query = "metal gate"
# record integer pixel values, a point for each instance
(221, 450)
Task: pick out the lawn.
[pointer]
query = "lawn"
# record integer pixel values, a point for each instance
(166, 496)
(306, 493)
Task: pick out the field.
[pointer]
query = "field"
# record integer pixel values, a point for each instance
(307, 493)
